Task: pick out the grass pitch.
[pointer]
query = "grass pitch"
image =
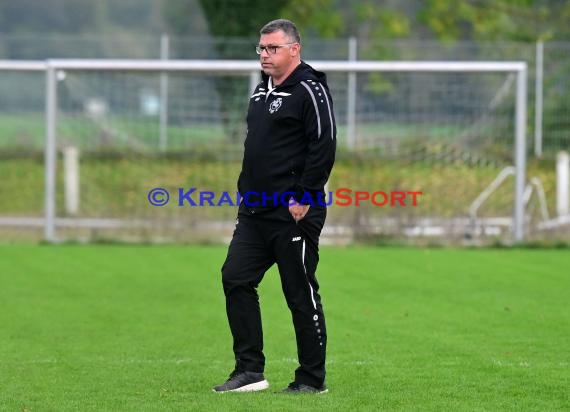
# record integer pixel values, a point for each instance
(136, 328)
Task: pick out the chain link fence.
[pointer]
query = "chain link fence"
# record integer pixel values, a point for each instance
(446, 135)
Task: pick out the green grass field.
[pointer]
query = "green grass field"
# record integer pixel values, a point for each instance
(143, 328)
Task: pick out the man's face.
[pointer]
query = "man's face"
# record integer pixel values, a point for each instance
(277, 64)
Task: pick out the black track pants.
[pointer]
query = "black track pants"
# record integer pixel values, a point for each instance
(259, 241)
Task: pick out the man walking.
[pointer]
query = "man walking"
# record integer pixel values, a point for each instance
(289, 153)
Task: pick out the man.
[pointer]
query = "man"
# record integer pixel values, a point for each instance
(289, 153)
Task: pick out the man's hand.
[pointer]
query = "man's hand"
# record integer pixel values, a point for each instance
(298, 211)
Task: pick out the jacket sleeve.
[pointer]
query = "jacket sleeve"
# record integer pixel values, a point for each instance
(320, 130)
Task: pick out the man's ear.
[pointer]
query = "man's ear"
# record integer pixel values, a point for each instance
(295, 49)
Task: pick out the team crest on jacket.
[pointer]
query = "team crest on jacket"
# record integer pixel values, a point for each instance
(275, 105)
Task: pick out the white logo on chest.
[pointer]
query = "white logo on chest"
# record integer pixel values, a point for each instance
(275, 105)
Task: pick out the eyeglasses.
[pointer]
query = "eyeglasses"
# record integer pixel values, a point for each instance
(271, 49)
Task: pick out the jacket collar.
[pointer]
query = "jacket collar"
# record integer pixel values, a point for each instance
(302, 72)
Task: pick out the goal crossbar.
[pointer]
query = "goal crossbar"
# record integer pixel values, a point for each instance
(247, 66)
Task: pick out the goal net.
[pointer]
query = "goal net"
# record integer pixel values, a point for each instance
(445, 129)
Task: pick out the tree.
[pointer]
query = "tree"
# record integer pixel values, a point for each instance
(322, 18)
(63, 16)
(520, 20)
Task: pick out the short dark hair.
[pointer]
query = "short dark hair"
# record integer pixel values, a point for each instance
(287, 26)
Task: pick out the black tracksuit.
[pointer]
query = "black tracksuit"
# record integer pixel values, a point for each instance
(289, 152)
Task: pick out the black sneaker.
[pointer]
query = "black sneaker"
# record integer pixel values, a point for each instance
(243, 382)
(300, 388)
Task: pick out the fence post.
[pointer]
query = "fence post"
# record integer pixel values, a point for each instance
(539, 78)
(562, 184)
(164, 55)
(351, 96)
(71, 179)
(50, 155)
(520, 154)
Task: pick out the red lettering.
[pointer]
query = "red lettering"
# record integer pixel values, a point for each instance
(359, 195)
(383, 194)
(397, 197)
(414, 202)
(340, 196)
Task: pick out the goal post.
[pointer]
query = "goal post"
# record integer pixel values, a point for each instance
(250, 70)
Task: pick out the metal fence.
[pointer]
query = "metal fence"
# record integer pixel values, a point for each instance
(448, 135)
(548, 63)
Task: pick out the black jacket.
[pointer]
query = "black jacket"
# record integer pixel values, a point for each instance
(291, 138)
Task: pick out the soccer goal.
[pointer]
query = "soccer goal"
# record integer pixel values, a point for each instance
(117, 129)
